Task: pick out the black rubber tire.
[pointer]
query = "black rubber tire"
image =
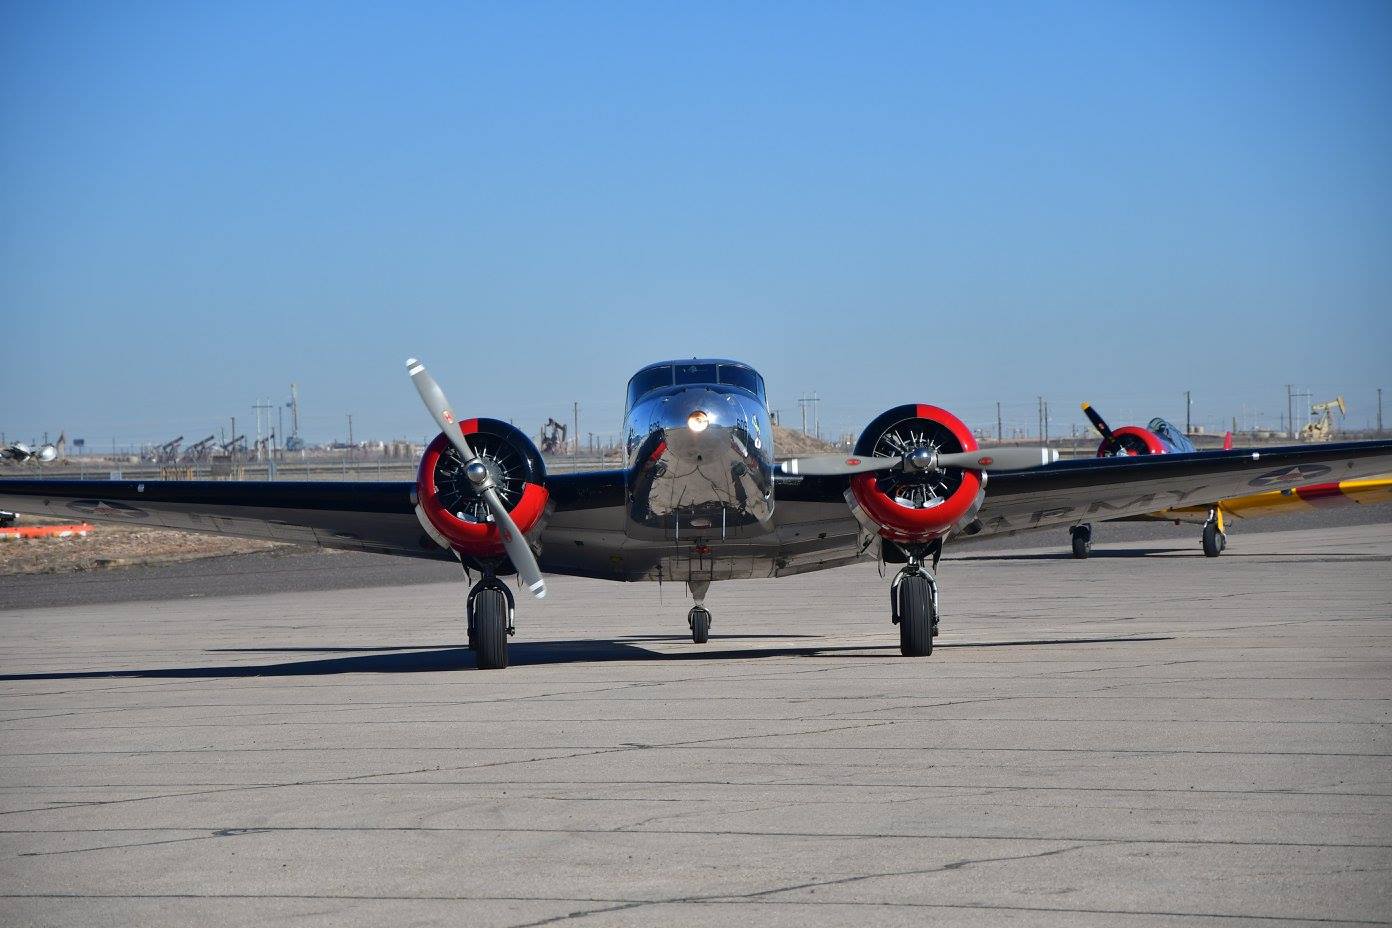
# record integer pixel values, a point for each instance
(1214, 541)
(490, 621)
(916, 618)
(700, 625)
(1082, 544)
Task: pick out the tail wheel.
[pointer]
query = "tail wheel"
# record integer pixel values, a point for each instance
(489, 625)
(916, 615)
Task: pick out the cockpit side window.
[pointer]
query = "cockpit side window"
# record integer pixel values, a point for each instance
(695, 373)
(743, 378)
(645, 381)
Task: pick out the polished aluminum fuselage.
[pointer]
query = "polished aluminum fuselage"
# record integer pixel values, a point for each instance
(699, 484)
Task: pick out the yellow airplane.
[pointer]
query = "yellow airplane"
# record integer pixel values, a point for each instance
(1163, 438)
(1369, 491)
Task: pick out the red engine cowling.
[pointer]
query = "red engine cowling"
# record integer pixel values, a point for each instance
(1130, 440)
(916, 507)
(445, 496)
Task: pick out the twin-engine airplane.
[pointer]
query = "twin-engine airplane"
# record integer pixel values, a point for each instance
(700, 499)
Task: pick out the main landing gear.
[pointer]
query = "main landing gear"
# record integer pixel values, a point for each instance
(1214, 538)
(1082, 539)
(699, 618)
(913, 601)
(490, 608)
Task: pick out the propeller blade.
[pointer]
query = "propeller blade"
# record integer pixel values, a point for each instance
(516, 545)
(835, 465)
(993, 459)
(518, 550)
(1097, 421)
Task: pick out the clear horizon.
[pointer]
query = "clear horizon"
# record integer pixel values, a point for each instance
(884, 204)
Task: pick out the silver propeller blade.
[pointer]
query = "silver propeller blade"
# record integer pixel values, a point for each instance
(834, 465)
(513, 541)
(991, 459)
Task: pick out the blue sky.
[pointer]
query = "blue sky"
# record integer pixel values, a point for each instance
(957, 204)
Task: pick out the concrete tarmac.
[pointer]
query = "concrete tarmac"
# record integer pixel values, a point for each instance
(1148, 737)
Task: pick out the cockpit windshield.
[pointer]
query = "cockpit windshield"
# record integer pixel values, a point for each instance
(742, 377)
(1175, 441)
(647, 380)
(693, 373)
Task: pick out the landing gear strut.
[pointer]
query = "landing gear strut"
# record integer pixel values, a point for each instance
(913, 601)
(490, 609)
(1082, 539)
(699, 618)
(1214, 538)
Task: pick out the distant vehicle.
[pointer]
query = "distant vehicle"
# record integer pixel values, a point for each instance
(701, 498)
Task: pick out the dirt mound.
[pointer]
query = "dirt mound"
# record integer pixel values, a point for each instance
(109, 546)
(789, 443)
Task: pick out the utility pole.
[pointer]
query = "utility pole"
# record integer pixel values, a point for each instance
(350, 433)
(1046, 422)
(1290, 411)
(803, 403)
(1040, 431)
(234, 436)
(575, 449)
(1188, 419)
(998, 422)
(266, 405)
(295, 410)
(1379, 412)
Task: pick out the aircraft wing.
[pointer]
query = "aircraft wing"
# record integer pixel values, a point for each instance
(1099, 489)
(1365, 492)
(376, 516)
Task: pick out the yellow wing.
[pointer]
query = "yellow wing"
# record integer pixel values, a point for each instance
(1367, 491)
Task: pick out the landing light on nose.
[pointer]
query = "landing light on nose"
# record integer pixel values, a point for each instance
(698, 421)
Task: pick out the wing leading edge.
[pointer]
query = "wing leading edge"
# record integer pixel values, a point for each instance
(376, 516)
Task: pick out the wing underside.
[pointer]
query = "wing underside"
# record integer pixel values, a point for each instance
(585, 534)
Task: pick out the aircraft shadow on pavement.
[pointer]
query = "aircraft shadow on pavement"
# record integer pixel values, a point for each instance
(1098, 554)
(1068, 555)
(435, 659)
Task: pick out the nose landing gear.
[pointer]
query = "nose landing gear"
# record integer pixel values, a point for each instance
(699, 618)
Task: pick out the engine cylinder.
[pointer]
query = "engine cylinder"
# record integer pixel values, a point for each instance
(447, 499)
(916, 506)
